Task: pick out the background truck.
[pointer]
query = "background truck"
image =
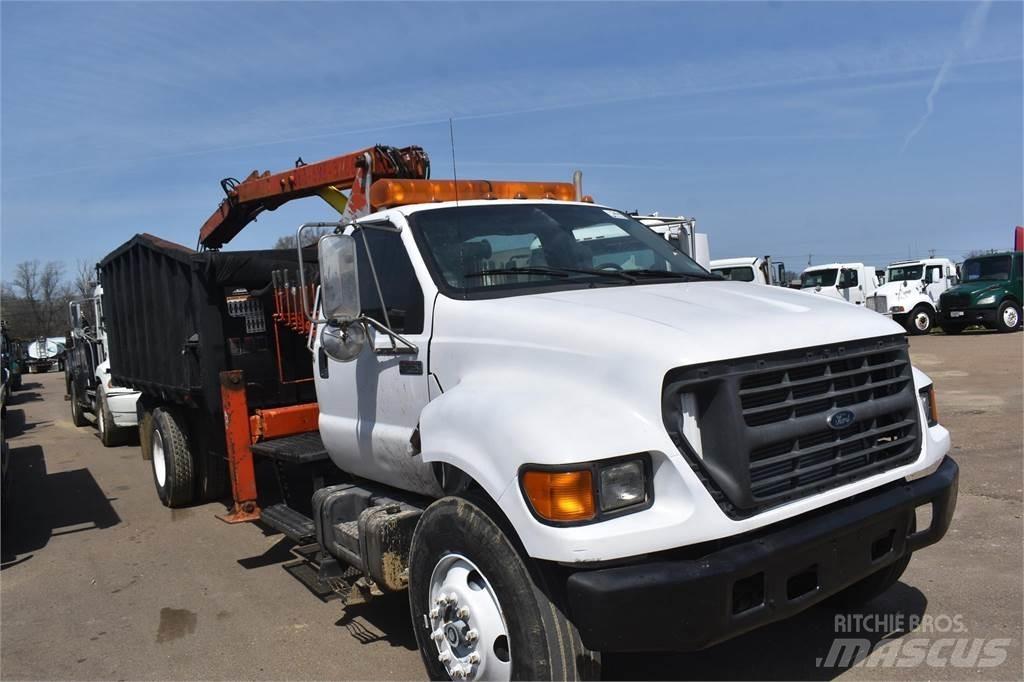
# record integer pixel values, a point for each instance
(13, 358)
(44, 354)
(555, 447)
(851, 282)
(911, 290)
(682, 233)
(756, 269)
(990, 295)
(87, 375)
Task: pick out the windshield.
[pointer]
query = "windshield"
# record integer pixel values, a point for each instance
(991, 268)
(818, 278)
(905, 273)
(743, 273)
(508, 249)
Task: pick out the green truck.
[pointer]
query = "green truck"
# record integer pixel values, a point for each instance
(989, 294)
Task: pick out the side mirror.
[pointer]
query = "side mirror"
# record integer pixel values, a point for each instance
(339, 277)
(75, 315)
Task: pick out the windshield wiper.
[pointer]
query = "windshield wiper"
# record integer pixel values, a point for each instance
(516, 271)
(553, 271)
(647, 272)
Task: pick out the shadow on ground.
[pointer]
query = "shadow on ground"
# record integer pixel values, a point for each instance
(43, 505)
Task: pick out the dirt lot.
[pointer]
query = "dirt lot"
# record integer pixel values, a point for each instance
(100, 582)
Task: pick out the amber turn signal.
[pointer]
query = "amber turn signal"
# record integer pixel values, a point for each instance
(561, 496)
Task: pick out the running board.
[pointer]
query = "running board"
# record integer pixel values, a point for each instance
(296, 526)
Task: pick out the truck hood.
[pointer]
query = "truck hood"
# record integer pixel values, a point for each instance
(895, 290)
(637, 333)
(975, 288)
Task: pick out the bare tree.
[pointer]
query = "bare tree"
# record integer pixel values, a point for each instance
(44, 296)
(310, 237)
(85, 278)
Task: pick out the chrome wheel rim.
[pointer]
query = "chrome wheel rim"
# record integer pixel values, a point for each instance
(922, 321)
(466, 622)
(159, 459)
(1010, 318)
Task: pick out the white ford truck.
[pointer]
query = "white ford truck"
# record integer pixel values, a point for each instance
(552, 427)
(618, 464)
(911, 292)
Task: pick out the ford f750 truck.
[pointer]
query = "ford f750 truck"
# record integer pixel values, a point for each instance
(555, 451)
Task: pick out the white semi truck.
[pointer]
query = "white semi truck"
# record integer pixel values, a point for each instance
(681, 231)
(910, 294)
(589, 451)
(756, 269)
(850, 282)
(90, 388)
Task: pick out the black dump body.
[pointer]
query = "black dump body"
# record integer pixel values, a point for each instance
(176, 318)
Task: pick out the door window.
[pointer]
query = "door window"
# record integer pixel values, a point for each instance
(398, 284)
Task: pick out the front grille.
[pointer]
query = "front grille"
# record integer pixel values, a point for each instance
(947, 301)
(878, 303)
(765, 433)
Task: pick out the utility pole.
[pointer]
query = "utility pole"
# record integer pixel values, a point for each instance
(809, 259)
(931, 253)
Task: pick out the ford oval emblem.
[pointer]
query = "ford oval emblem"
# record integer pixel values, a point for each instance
(841, 419)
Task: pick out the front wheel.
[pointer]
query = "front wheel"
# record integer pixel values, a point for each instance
(110, 433)
(77, 415)
(920, 320)
(1008, 317)
(479, 611)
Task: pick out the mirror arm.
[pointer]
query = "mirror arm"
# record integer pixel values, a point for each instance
(410, 347)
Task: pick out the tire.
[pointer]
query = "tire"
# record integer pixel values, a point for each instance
(1008, 317)
(522, 632)
(110, 434)
(921, 320)
(77, 415)
(952, 329)
(172, 459)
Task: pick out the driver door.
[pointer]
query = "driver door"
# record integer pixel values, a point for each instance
(370, 406)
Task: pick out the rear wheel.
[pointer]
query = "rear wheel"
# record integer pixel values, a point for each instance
(77, 415)
(172, 459)
(1008, 317)
(921, 320)
(479, 610)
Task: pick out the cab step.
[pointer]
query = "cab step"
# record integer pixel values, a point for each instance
(302, 448)
(296, 526)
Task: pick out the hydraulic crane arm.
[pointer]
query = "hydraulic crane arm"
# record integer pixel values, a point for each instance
(257, 193)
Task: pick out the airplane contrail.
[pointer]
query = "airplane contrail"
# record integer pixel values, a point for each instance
(970, 29)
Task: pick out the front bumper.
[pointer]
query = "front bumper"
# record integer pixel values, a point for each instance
(985, 316)
(688, 604)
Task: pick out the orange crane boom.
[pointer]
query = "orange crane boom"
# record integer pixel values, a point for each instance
(257, 193)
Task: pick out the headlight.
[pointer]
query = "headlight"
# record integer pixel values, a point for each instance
(587, 492)
(987, 300)
(896, 309)
(622, 485)
(931, 410)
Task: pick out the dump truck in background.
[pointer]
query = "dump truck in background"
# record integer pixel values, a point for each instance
(851, 282)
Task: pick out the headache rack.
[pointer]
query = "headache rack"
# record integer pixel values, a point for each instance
(763, 431)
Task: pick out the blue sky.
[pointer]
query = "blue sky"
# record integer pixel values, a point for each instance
(784, 128)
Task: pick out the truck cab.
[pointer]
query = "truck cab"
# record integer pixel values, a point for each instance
(756, 269)
(682, 233)
(850, 282)
(610, 415)
(912, 291)
(90, 388)
(990, 295)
